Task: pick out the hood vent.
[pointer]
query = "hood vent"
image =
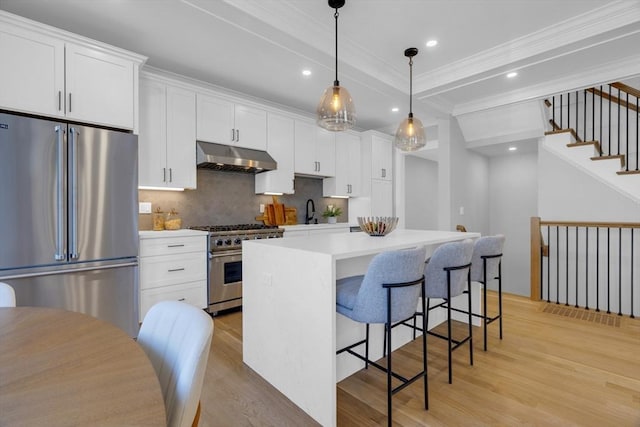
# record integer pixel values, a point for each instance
(235, 159)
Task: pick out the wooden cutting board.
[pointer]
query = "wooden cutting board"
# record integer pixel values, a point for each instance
(291, 215)
(270, 212)
(278, 212)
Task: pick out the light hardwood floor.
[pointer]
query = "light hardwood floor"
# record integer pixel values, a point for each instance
(551, 369)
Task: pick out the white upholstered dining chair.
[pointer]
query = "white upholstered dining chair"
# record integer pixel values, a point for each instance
(177, 337)
(7, 295)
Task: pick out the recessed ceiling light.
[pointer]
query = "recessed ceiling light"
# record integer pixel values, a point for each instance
(432, 43)
(306, 72)
(395, 109)
(513, 148)
(512, 75)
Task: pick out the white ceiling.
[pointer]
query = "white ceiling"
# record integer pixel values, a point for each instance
(260, 47)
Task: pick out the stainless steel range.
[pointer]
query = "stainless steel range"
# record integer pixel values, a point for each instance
(225, 260)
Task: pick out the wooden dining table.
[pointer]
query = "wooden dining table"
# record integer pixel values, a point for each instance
(62, 368)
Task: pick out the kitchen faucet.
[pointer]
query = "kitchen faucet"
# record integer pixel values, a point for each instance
(308, 218)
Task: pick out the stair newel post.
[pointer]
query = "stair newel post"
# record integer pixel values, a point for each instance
(536, 259)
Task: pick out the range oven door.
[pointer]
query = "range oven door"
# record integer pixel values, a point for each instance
(225, 284)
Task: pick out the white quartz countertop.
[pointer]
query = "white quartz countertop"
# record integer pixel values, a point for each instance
(300, 227)
(149, 234)
(349, 245)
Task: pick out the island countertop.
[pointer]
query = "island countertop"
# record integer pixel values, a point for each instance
(290, 326)
(349, 245)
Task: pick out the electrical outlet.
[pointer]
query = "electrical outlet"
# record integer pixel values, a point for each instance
(461, 210)
(144, 207)
(261, 207)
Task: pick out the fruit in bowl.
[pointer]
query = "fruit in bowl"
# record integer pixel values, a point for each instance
(378, 226)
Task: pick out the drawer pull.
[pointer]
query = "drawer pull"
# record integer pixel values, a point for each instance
(175, 269)
(181, 299)
(175, 246)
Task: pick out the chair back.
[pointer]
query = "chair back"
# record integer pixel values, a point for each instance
(176, 337)
(7, 295)
(454, 254)
(486, 246)
(386, 268)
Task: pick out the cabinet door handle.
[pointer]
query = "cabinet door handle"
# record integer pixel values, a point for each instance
(175, 269)
(318, 166)
(175, 246)
(384, 173)
(59, 100)
(69, 101)
(237, 135)
(170, 174)
(233, 134)
(164, 174)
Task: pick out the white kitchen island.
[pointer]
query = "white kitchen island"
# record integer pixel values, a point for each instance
(290, 326)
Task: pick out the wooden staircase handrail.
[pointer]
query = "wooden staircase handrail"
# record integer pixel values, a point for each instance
(613, 99)
(626, 88)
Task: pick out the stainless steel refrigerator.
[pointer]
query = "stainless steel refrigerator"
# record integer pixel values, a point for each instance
(68, 217)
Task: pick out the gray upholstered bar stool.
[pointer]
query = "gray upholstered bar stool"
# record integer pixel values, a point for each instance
(486, 265)
(389, 292)
(447, 275)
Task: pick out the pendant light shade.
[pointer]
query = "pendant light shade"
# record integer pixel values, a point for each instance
(410, 135)
(336, 111)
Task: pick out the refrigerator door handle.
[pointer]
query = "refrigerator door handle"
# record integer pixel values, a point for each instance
(67, 271)
(73, 193)
(60, 246)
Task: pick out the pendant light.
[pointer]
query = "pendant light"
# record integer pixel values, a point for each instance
(335, 111)
(410, 134)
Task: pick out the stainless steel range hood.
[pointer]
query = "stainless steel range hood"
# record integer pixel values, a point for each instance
(235, 159)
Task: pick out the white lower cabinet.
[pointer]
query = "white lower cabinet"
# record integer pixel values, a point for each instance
(173, 266)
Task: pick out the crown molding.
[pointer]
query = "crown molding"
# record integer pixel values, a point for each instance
(594, 76)
(606, 18)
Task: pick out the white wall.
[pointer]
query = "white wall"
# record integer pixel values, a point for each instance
(513, 195)
(469, 184)
(421, 187)
(568, 193)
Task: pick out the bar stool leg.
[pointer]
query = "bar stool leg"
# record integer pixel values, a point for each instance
(424, 349)
(449, 323)
(366, 348)
(484, 302)
(389, 367)
(500, 296)
(470, 317)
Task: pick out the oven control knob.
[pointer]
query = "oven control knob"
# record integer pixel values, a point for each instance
(237, 241)
(227, 242)
(219, 242)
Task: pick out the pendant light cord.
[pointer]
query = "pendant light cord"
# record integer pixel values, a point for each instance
(335, 15)
(410, 86)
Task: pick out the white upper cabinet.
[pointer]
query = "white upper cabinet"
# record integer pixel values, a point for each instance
(224, 122)
(315, 150)
(381, 158)
(280, 145)
(33, 80)
(347, 180)
(166, 144)
(54, 73)
(99, 87)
